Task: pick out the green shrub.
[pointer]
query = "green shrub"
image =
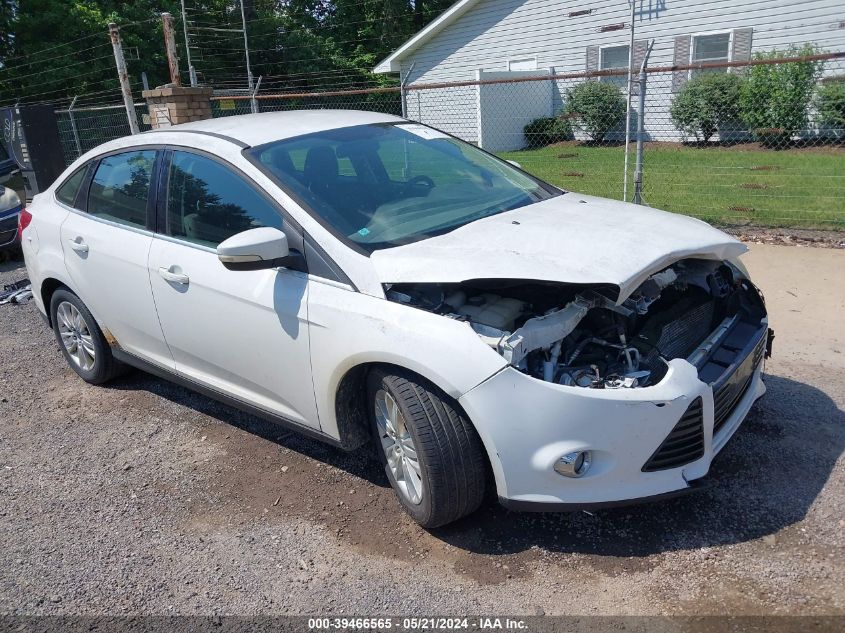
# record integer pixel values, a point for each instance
(547, 130)
(595, 107)
(706, 103)
(775, 98)
(830, 102)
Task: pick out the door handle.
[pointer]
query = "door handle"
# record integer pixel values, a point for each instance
(79, 245)
(169, 275)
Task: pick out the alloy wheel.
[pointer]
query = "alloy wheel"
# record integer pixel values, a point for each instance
(75, 335)
(399, 448)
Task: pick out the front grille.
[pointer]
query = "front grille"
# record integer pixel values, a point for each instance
(730, 392)
(684, 444)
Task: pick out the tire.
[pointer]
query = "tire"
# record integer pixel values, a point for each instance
(451, 461)
(96, 368)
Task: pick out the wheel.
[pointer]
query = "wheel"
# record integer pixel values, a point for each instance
(431, 453)
(81, 340)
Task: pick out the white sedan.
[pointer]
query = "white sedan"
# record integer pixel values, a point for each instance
(362, 278)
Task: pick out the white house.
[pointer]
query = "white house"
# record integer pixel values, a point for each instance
(501, 39)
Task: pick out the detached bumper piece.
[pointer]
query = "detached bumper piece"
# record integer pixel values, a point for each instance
(684, 444)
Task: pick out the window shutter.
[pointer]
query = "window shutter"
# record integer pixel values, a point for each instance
(681, 58)
(592, 59)
(741, 47)
(640, 48)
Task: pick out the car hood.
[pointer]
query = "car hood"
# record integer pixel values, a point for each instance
(570, 238)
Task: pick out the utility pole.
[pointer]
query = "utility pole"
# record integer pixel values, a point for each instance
(170, 47)
(253, 101)
(191, 71)
(123, 76)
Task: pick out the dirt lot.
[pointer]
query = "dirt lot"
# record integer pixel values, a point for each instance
(142, 497)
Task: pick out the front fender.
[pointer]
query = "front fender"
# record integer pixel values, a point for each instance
(348, 329)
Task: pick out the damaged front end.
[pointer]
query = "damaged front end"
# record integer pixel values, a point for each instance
(701, 310)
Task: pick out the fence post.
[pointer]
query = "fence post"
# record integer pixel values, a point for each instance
(170, 47)
(638, 169)
(253, 102)
(403, 92)
(73, 126)
(123, 76)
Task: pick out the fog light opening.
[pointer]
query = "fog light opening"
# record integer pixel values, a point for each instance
(575, 464)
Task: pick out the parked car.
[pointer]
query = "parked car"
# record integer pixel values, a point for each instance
(10, 208)
(362, 278)
(7, 164)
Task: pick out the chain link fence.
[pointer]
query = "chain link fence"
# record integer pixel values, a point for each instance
(745, 143)
(84, 129)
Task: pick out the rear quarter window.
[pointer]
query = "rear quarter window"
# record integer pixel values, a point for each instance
(68, 190)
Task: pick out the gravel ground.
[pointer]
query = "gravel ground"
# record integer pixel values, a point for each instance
(143, 498)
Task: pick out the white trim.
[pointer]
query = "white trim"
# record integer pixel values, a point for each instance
(693, 37)
(624, 85)
(393, 62)
(604, 46)
(524, 58)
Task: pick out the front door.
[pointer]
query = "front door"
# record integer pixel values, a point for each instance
(244, 333)
(106, 245)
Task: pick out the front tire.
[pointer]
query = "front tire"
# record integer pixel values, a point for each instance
(431, 453)
(82, 342)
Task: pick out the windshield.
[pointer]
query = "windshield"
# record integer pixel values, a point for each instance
(389, 184)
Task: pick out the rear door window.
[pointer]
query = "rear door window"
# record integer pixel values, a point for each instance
(121, 187)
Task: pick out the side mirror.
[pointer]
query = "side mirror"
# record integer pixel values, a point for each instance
(515, 164)
(255, 249)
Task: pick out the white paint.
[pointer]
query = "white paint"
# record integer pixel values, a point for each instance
(572, 238)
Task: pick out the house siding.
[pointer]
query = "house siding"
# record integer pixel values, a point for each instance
(494, 31)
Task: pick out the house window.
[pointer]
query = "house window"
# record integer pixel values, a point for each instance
(614, 58)
(710, 49)
(523, 63)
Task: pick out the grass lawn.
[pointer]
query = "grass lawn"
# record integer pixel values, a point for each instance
(740, 185)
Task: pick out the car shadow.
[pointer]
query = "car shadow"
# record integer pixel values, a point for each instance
(360, 463)
(766, 479)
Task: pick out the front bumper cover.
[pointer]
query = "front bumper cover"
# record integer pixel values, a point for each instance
(527, 424)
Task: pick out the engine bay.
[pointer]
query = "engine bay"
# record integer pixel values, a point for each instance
(579, 336)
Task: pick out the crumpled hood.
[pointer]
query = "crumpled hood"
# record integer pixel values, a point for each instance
(571, 238)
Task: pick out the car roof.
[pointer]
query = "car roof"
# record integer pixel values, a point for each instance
(266, 127)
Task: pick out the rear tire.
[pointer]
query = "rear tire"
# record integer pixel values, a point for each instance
(429, 429)
(82, 342)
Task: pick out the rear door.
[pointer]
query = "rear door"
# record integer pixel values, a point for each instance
(244, 333)
(106, 243)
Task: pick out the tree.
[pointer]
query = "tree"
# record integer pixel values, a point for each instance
(706, 103)
(51, 50)
(595, 107)
(56, 49)
(775, 98)
(830, 103)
